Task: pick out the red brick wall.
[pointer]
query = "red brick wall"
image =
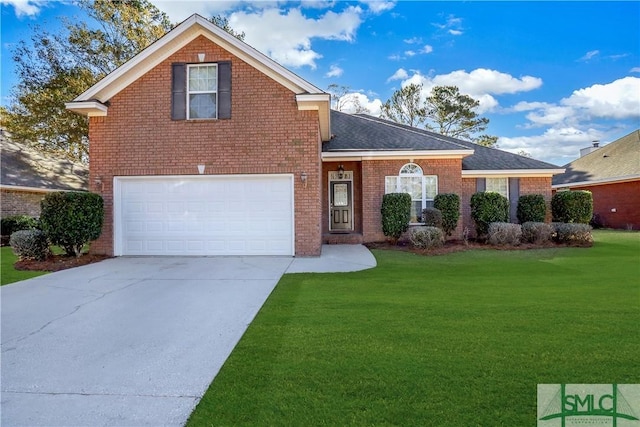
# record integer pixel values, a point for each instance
(373, 183)
(20, 203)
(624, 197)
(266, 134)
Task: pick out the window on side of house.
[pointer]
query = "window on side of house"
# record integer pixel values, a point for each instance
(498, 185)
(202, 91)
(422, 188)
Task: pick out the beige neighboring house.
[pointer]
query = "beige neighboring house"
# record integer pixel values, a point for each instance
(27, 175)
(612, 174)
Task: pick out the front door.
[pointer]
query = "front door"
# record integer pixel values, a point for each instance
(340, 206)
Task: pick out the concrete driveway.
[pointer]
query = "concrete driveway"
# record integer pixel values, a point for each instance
(127, 341)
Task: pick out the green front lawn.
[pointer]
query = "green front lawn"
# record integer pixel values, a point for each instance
(8, 274)
(455, 340)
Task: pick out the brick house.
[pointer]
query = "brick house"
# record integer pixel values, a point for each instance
(612, 174)
(27, 175)
(201, 145)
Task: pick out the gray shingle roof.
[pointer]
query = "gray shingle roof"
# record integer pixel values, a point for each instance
(617, 159)
(367, 133)
(23, 166)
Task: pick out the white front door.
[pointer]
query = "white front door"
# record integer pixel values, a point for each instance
(204, 215)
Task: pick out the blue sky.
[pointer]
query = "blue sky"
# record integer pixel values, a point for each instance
(551, 76)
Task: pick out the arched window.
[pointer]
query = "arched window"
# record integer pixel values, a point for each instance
(422, 188)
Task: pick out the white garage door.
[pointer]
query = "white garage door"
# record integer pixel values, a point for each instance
(204, 215)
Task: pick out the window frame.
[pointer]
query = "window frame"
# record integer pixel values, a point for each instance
(189, 92)
(412, 170)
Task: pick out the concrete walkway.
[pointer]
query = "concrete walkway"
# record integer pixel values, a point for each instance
(134, 341)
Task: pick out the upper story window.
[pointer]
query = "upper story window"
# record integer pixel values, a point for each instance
(422, 188)
(498, 185)
(202, 91)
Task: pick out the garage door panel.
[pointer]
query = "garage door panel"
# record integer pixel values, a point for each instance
(204, 215)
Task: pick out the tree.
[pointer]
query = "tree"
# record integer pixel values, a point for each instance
(343, 99)
(445, 111)
(451, 113)
(405, 106)
(54, 69)
(223, 22)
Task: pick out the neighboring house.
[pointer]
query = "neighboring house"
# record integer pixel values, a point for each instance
(612, 174)
(201, 145)
(27, 175)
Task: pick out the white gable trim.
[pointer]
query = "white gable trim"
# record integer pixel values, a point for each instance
(343, 156)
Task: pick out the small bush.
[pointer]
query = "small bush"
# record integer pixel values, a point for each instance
(531, 208)
(449, 205)
(572, 206)
(30, 244)
(504, 233)
(72, 219)
(396, 213)
(573, 233)
(486, 208)
(426, 237)
(14, 223)
(432, 217)
(537, 232)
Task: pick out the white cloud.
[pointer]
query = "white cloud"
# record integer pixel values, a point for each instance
(452, 25)
(413, 40)
(334, 71)
(410, 53)
(178, 11)
(455, 32)
(400, 74)
(427, 49)
(350, 100)
(587, 56)
(618, 99)
(480, 84)
(635, 70)
(379, 6)
(556, 145)
(24, 8)
(291, 44)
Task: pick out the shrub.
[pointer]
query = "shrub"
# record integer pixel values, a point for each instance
(486, 208)
(572, 206)
(30, 244)
(426, 237)
(449, 205)
(504, 233)
(72, 219)
(531, 208)
(14, 223)
(573, 233)
(537, 232)
(432, 217)
(396, 213)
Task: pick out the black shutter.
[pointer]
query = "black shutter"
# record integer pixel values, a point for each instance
(224, 90)
(178, 91)
(481, 185)
(514, 195)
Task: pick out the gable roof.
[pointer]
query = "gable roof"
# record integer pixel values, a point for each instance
(616, 161)
(367, 136)
(94, 101)
(24, 168)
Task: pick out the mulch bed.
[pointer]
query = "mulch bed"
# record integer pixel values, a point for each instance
(58, 262)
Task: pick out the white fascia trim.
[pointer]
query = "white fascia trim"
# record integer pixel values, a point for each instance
(212, 32)
(35, 189)
(620, 179)
(312, 100)
(394, 155)
(87, 108)
(527, 173)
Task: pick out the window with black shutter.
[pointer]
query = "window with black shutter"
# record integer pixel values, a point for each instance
(201, 91)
